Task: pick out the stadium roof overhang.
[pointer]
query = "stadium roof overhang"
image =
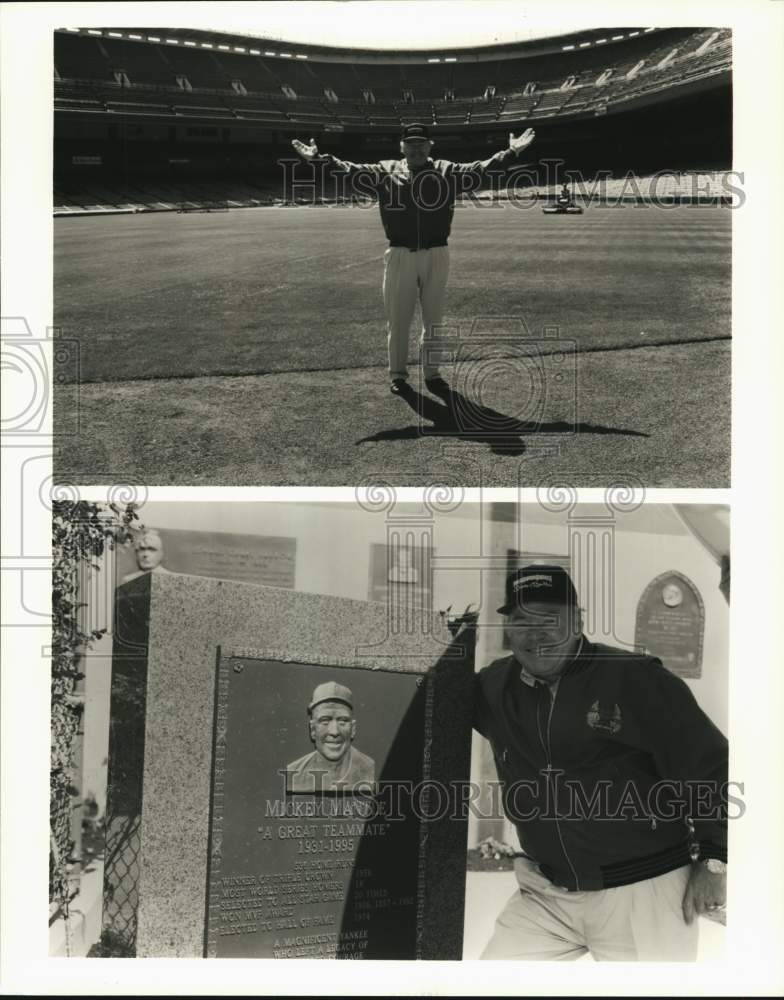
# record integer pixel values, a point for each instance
(199, 38)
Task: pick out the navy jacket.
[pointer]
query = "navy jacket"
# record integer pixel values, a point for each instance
(604, 780)
(417, 206)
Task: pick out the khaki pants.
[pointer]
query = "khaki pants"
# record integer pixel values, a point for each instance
(408, 276)
(638, 922)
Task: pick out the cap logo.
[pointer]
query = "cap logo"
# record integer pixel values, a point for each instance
(535, 580)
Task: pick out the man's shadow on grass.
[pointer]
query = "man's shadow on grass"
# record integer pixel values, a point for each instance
(458, 417)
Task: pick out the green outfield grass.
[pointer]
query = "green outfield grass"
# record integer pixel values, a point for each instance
(248, 348)
(277, 290)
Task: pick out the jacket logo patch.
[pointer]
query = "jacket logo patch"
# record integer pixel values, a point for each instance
(603, 719)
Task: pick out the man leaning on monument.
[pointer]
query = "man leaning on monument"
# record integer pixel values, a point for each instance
(335, 764)
(596, 750)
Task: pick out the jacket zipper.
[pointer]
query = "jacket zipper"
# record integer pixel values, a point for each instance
(416, 205)
(548, 754)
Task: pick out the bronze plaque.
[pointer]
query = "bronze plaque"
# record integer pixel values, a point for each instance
(315, 841)
(671, 623)
(401, 575)
(257, 559)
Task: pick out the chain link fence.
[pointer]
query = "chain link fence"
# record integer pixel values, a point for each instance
(60, 842)
(121, 881)
(124, 808)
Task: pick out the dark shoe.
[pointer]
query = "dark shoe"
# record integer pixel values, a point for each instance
(398, 386)
(437, 386)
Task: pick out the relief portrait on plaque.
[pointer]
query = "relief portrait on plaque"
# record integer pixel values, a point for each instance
(403, 569)
(148, 549)
(335, 765)
(672, 595)
(401, 575)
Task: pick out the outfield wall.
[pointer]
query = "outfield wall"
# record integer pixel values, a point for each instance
(715, 188)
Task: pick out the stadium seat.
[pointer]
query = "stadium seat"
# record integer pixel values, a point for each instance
(141, 61)
(79, 57)
(87, 63)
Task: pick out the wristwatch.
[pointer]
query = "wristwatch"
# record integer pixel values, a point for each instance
(714, 866)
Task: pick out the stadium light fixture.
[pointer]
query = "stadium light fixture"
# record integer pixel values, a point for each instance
(172, 41)
(303, 56)
(647, 30)
(566, 48)
(92, 31)
(584, 45)
(270, 53)
(601, 41)
(285, 55)
(633, 33)
(153, 38)
(617, 38)
(71, 29)
(136, 38)
(254, 52)
(191, 45)
(114, 34)
(434, 60)
(206, 45)
(239, 48)
(450, 59)
(224, 48)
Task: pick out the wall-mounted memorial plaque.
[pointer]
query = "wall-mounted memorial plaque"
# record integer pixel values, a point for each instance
(402, 575)
(670, 623)
(257, 559)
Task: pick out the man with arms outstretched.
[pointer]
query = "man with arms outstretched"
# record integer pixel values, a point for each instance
(416, 197)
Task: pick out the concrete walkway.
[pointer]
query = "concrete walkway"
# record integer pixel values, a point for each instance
(74, 938)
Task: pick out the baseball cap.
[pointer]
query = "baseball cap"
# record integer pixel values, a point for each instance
(331, 691)
(415, 131)
(548, 584)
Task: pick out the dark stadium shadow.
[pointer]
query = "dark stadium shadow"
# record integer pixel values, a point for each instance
(464, 419)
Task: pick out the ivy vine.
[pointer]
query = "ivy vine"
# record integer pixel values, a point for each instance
(81, 533)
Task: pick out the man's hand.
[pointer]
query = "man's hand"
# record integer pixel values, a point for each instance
(306, 152)
(705, 891)
(519, 143)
